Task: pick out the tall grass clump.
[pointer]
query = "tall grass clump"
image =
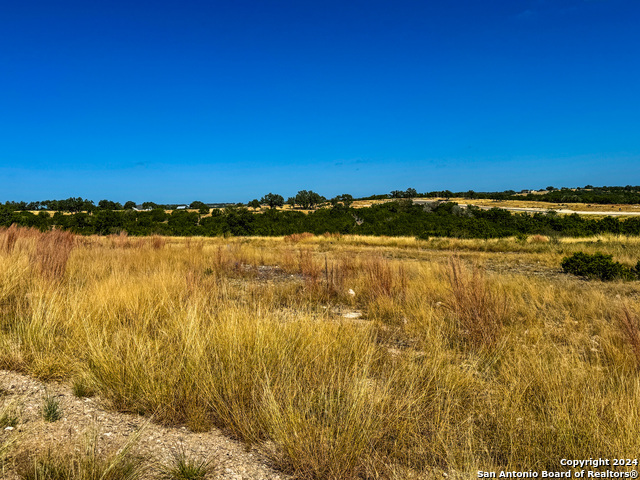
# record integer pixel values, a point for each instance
(52, 253)
(85, 462)
(298, 237)
(629, 324)
(183, 466)
(157, 242)
(481, 311)
(382, 279)
(9, 238)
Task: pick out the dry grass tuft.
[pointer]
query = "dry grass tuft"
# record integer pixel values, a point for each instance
(52, 253)
(157, 242)
(298, 237)
(629, 324)
(120, 240)
(539, 239)
(84, 462)
(9, 238)
(382, 278)
(308, 265)
(336, 235)
(480, 310)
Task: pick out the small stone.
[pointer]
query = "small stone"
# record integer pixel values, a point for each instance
(8, 429)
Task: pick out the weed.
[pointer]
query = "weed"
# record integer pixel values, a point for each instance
(81, 387)
(9, 416)
(185, 467)
(51, 409)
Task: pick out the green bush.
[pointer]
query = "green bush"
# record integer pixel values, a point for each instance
(599, 266)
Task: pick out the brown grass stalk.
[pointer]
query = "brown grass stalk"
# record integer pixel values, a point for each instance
(629, 325)
(9, 238)
(481, 311)
(52, 253)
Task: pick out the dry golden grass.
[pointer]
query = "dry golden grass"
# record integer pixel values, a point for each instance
(578, 207)
(480, 311)
(494, 360)
(52, 253)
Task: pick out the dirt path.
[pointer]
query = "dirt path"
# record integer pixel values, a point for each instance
(82, 416)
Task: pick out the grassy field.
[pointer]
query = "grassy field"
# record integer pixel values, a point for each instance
(578, 207)
(340, 357)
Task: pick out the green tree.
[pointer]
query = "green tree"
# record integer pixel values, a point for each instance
(109, 205)
(129, 205)
(200, 206)
(308, 199)
(273, 200)
(255, 203)
(410, 193)
(158, 214)
(345, 199)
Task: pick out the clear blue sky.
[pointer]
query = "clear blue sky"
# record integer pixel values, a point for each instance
(229, 100)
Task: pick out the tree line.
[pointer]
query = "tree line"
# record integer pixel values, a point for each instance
(396, 218)
(308, 199)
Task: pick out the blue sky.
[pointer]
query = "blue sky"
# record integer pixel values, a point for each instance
(226, 101)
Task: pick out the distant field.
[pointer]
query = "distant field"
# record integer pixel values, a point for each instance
(585, 207)
(337, 357)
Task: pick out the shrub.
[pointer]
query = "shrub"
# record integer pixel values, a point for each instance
(597, 265)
